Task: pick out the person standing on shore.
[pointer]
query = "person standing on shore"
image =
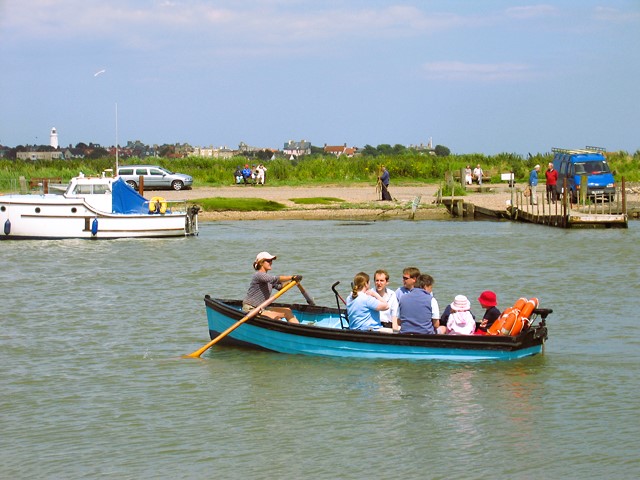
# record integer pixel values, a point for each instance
(383, 182)
(552, 180)
(533, 183)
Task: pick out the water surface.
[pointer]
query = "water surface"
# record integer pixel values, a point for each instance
(93, 385)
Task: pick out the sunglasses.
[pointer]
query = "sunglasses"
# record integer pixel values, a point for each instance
(405, 278)
(269, 261)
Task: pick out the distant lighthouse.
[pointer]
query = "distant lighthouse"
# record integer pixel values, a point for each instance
(54, 138)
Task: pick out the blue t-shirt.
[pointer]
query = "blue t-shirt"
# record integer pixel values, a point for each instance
(362, 312)
(401, 291)
(415, 312)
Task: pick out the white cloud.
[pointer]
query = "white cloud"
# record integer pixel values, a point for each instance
(608, 14)
(532, 11)
(476, 71)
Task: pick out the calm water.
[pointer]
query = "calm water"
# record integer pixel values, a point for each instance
(93, 385)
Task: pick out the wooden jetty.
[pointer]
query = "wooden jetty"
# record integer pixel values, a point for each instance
(598, 212)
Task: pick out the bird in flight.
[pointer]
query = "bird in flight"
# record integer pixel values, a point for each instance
(99, 72)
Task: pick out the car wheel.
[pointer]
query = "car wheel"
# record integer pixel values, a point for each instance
(177, 185)
(132, 184)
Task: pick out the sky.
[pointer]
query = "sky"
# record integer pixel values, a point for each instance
(475, 76)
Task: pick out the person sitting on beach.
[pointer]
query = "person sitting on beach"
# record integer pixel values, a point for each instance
(477, 173)
(388, 318)
(460, 322)
(409, 277)
(238, 175)
(262, 283)
(260, 172)
(467, 175)
(418, 312)
(364, 306)
(489, 301)
(247, 174)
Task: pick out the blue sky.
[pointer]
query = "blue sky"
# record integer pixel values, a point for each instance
(476, 76)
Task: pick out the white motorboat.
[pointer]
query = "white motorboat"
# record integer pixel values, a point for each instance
(95, 208)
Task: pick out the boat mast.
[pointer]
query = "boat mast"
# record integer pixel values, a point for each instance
(117, 148)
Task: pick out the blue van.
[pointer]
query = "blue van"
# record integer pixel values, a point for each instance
(574, 164)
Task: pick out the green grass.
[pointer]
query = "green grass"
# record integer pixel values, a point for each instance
(316, 200)
(222, 204)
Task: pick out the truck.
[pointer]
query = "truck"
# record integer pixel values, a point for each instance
(576, 164)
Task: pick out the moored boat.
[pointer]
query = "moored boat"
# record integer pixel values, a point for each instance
(323, 331)
(94, 207)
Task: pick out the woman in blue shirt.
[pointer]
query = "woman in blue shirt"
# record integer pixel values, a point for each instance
(364, 306)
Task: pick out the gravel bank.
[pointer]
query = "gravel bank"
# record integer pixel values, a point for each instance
(362, 198)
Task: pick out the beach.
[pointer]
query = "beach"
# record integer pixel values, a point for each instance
(359, 201)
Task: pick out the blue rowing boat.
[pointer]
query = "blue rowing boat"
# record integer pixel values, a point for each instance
(323, 331)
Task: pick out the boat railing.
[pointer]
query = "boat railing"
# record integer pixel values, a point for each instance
(173, 206)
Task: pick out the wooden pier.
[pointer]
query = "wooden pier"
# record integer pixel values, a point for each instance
(598, 212)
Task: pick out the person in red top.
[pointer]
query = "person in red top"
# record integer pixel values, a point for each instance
(552, 180)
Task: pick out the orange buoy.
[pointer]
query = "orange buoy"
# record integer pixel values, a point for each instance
(529, 307)
(511, 321)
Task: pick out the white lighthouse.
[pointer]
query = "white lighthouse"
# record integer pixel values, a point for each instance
(53, 138)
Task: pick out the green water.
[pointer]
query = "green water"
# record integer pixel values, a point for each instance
(93, 384)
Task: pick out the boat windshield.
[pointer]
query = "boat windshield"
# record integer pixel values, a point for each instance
(91, 189)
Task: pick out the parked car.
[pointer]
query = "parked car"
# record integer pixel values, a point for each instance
(155, 177)
(590, 162)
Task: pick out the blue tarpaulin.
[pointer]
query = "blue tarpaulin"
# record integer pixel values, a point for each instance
(125, 199)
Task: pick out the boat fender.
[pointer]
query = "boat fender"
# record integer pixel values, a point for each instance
(7, 227)
(158, 205)
(94, 227)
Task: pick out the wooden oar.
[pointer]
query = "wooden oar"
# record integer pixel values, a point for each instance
(306, 296)
(249, 316)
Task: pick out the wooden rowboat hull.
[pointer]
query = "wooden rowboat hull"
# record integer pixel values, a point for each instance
(320, 333)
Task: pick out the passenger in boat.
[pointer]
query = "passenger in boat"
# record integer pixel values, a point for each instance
(262, 283)
(419, 311)
(489, 301)
(388, 318)
(364, 306)
(461, 321)
(409, 277)
(447, 312)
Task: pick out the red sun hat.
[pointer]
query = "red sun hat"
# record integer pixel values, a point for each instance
(488, 298)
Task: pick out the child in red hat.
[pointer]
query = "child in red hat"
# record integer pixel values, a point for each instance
(489, 301)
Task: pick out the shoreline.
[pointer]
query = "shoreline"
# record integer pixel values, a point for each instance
(363, 201)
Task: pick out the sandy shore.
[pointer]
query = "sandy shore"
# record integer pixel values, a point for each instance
(363, 203)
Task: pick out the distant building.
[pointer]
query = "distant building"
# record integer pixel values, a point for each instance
(53, 138)
(211, 152)
(40, 155)
(295, 149)
(339, 150)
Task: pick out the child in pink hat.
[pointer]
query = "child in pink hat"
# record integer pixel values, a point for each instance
(461, 321)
